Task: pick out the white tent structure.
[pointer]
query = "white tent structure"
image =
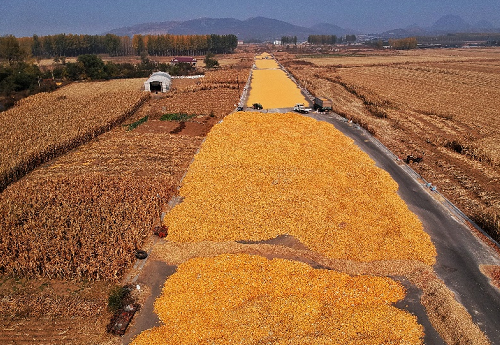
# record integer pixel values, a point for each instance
(158, 81)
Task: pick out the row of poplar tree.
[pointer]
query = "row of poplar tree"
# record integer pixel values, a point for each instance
(74, 45)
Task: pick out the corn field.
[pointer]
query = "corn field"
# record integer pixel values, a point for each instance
(84, 215)
(249, 299)
(294, 175)
(47, 125)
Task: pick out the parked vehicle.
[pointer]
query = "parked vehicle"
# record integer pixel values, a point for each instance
(299, 107)
(322, 104)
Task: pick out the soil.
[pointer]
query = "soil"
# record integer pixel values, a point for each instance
(35, 311)
(199, 126)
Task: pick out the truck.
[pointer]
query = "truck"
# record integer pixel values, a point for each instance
(299, 107)
(322, 104)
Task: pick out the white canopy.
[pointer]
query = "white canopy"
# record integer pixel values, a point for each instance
(159, 81)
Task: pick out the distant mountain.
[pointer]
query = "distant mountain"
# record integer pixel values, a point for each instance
(256, 28)
(448, 24)
(331, 29)
(267, 29)
(451, 24)
(145, 29)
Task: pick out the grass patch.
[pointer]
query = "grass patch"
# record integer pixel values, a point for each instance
(176, 117)
(137, 123)
(117, 297)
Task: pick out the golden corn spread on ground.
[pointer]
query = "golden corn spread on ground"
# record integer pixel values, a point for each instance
(243, 299)
(271, 87)
(258, 176)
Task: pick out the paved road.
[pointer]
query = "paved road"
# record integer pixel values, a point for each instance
(460, 253)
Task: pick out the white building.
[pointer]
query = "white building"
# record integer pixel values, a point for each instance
(158, 81)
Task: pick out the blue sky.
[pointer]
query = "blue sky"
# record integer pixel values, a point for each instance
(43, 17)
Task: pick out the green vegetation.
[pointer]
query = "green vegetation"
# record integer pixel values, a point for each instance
(137, 123)
(75, 45)
(322, 39)
(176, 117)
(117, 297)
(288, 40)
(210, 61)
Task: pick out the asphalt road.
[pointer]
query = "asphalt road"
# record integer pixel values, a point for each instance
(460, 252)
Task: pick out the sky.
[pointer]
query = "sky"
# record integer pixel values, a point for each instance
(47, 17)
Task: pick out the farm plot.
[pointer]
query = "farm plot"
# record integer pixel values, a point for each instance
(234, 298)
(216, 94)
(294, 175)
(84, 215)
(46, 125)
(77, 220)
(272, 88)
(444, 108)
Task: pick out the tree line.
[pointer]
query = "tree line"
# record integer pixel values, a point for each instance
(20, 76)
(69, 45)
(330, 39)
(403, 43)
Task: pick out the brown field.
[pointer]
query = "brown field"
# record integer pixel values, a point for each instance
(70, 228)
(47, 125)
(443, 103)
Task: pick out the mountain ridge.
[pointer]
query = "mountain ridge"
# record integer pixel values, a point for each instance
(268, 29)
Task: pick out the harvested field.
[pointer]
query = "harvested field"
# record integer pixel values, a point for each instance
(294, 175)
(47, 125)
(36, 311)
(272, 88)
(216, 94)
(441, 103)
(83, 215)
(233, 297)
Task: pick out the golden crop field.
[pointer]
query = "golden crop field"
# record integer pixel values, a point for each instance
(272, 88)
(242, 298)
(46, 125)
(293, 175)
(443, 103)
